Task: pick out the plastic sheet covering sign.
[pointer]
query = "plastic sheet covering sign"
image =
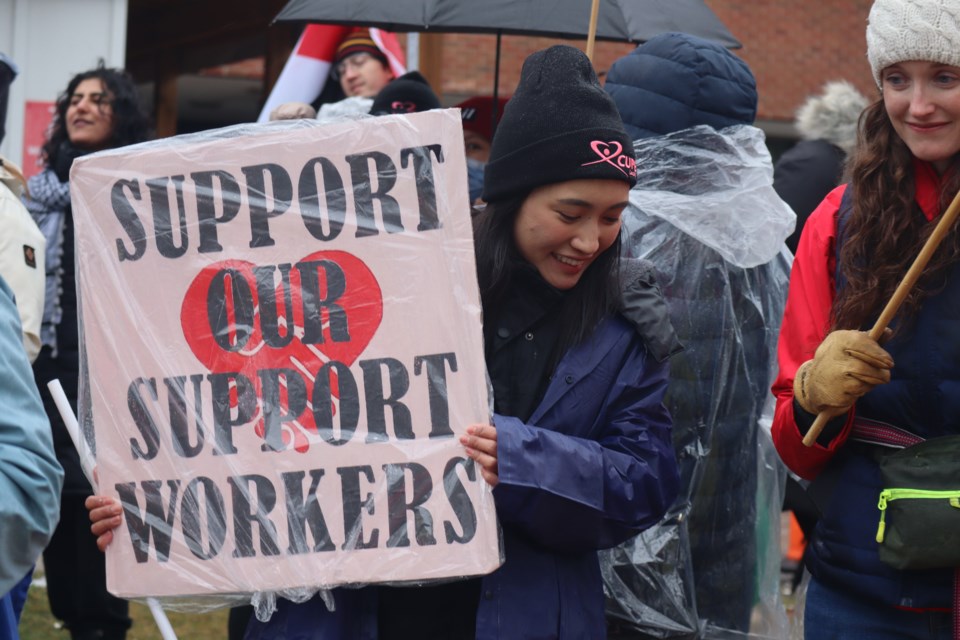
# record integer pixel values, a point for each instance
(282, 337)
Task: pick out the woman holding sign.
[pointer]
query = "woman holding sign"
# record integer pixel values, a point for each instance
(854, 250)
(579, 451)
(98, 110)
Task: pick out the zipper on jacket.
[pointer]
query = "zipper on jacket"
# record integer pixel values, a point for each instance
(952, 495)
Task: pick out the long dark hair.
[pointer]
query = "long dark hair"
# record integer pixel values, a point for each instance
(594, 296)
(886, 229)
(130, 123)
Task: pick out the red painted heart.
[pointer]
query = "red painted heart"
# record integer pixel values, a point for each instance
(222, 321)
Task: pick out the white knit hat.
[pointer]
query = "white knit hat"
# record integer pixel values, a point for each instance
(901, 30)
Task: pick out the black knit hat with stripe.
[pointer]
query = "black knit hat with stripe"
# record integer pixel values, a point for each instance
(559, 125)
(358, 41)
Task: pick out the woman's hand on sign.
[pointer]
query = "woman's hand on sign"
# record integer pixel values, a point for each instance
(105, 514)
(481, 444)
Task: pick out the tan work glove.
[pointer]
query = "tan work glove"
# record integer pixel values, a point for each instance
(846, 365)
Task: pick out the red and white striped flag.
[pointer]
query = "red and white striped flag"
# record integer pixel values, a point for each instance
(306, 71)
(388, 43)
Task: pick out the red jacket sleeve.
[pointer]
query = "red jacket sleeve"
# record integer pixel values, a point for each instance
(806, 321)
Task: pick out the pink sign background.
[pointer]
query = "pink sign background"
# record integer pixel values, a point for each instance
(283, 341)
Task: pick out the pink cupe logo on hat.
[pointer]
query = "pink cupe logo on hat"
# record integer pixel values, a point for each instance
(612, 153)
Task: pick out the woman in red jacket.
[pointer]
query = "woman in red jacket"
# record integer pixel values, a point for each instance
(854, 251)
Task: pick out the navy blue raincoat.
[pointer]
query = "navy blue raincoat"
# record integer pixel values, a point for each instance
(592, 467)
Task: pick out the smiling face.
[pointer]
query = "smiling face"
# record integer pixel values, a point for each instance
(89, 119)
(562, 228)
(922, 100)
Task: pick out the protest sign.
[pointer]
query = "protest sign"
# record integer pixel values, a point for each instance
(282, 343)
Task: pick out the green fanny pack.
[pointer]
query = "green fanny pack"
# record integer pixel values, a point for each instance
(920, 505)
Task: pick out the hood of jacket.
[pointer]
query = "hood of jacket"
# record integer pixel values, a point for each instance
(716, 186)
(676, 81)
(832, 115)
(643, 305)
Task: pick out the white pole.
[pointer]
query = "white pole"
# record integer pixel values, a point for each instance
(88, 463)
(73, 428)
(163, 623)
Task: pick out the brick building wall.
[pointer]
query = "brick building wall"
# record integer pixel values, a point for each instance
(792, 46)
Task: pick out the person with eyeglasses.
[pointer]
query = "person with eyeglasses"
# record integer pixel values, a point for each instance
(362, 70)
(360, 67)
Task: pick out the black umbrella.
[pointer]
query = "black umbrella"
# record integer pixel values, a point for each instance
(621, 20)
(618, 20)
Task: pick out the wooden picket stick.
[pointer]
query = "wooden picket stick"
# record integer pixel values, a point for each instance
(592, 30)
(908, 282)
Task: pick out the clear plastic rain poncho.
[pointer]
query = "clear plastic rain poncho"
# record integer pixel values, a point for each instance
(705, 213)
(281, 344)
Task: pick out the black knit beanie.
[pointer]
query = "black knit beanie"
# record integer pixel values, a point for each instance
(559, 125)
(410, 93)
